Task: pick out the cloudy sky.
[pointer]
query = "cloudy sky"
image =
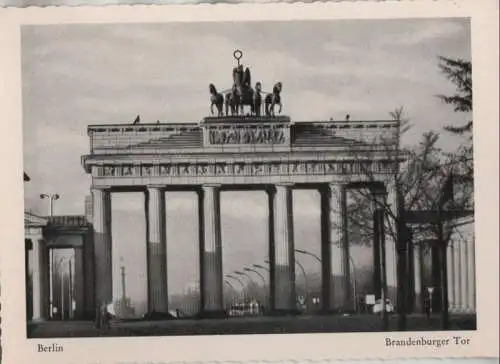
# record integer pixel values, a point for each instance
(77, 75)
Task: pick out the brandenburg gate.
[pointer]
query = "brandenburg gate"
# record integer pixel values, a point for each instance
(270, 153)
(238, 151)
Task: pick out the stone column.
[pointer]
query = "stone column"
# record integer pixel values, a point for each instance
(211, 277)
(417, 256)
(464, 274)
(271, 192)
(284, 253)
(40, 281)
(457, 275)
(472, 276)
(326, 250)
(451, 279)
(157, 250)
(391, 255)
(79, 280)
(89, 281)
(101, 207)
(340, 287)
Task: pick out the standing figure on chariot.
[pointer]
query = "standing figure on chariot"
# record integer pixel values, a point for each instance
(242, 94)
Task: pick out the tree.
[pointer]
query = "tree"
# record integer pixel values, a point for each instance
(459, 72)
(417, 174)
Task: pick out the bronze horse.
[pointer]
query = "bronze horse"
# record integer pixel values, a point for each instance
(274, 99)
(216, 99)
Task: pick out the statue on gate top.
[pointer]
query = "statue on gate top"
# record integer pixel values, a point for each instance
(242, 94)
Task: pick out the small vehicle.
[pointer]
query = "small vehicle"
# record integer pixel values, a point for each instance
(389, 307)
(245, 309)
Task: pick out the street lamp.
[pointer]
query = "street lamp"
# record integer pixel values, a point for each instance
(303, 272)
(265, 299)
(260, 267)
(230, 285)
(256, 272)
(354, 283)
(240, 282)
(240, 273)
(51, 198)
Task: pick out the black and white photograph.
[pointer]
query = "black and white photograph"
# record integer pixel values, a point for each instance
(248, 184)
(248, 178)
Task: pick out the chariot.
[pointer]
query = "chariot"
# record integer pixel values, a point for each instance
(232, 101)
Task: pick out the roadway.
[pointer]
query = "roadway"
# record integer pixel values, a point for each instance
(243, 325)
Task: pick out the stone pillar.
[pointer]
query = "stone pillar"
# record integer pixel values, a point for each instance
(464, 274)
(211, 270)
(340, 287)
(101, 207)
(457, 275)
(89, 281)
(472, 276)
(326, 250)
(417, 256)
(284, 253)
(157, 250)
(451, 279)
(40, 282)
(391, 255)
(79, 280)
(271, 193)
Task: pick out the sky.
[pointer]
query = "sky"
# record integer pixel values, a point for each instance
(77, 75)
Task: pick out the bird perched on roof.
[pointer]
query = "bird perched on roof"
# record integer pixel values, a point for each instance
(157, 121)
(347, 117)
(137, 119)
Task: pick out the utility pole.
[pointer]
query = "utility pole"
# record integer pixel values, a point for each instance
(51, 198)
(124, 294)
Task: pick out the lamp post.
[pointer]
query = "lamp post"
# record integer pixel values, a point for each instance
(256, 272)
(306, 283)
(354, 283)
(240, 282)
(51, 198)
(261, 267)
(263, 281)
(240, 273)
(231, 287)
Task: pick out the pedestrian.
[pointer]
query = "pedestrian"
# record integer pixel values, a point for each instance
(427, 308)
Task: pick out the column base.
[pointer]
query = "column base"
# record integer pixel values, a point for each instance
(212, 314)
(417, 306)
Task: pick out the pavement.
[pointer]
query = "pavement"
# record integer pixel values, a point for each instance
(244, 325)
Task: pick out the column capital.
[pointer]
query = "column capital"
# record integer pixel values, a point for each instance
(270, 190)
(156, 187)
(283, 185)
(211, 185)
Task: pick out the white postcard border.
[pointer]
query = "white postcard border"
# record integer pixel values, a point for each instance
(484, 341)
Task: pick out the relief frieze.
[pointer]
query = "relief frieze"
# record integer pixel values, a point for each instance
(247, 136)
(247, 169)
